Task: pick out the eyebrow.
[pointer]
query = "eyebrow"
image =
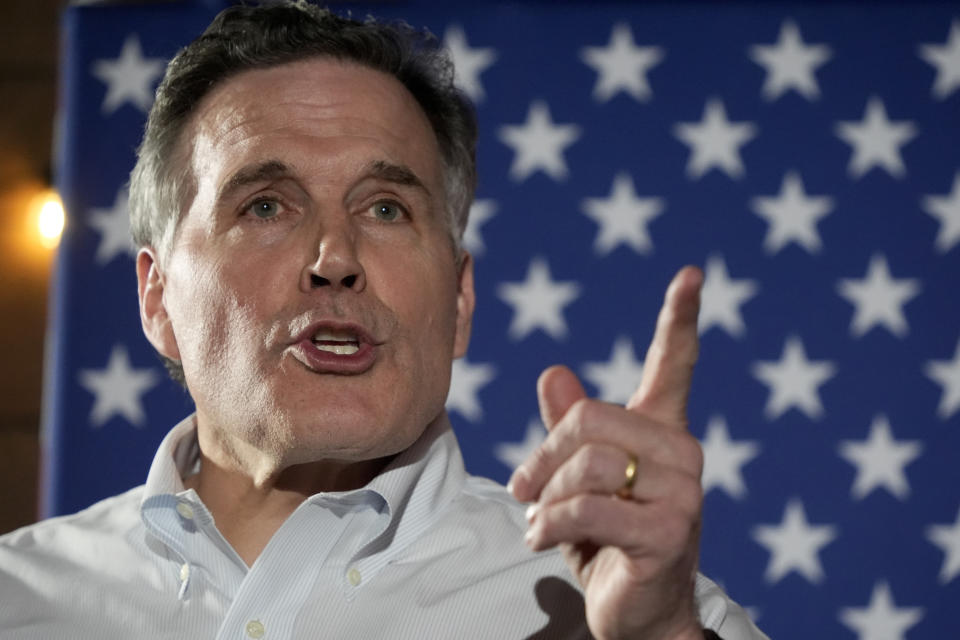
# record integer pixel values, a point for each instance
(396, 173)
(262, 172)
(274, 169)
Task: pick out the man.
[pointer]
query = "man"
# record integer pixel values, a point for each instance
(298, 202)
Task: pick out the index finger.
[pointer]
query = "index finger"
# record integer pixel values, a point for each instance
(668, 368)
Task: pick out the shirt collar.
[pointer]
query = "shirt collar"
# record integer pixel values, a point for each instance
(415, 486)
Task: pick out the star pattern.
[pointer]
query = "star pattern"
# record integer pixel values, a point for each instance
(947, 538)
(468, 63)
(480, 213)
(790, 64)
(118, 389)
(878, 299)
(794, 381)
(466, 380)
(880, 461)
(715, 141)
(538, 302)
(794, 545)
(881, 619)
(721, 298)
(946, 373)
(946, 58)
(946, 209)
(129, 78)
(792, 215)
(512, 454)
(724, 459)
(538, 144)
(782, 211)
(876, 141)
(113, 225)
(618, 378)
(623, 217)
(621, 65)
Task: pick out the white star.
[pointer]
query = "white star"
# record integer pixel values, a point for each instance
(618, 378)
(947, 537)
(876, 141)
(480, 212)
(790, 63)
(538, 302)
(794, 544)
(792, 215)
(538, 143)
(794, 381)
(113, 224)
(880, 460)
(881, 619)
(623, 217)
(721, 298)
(946, 373)
(117, 388)
(715, 141)
(946, 209)
(512, 454)
(465, 383)
(878, 299)
(468, 63)
(129, 78)
(723, 459)
(946, 58)
(621, 65)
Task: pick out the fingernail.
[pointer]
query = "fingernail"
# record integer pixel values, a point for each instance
(528, 537)
(532, 511)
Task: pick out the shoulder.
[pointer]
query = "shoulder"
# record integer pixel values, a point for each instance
(105, 518)
(38, 557)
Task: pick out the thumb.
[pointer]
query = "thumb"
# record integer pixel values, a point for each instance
(558, 388)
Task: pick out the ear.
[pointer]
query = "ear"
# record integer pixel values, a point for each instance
(153, 311)
(466, 300)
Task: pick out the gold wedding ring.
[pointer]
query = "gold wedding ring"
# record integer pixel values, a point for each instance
(630, 476)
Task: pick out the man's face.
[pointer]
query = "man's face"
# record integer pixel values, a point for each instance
(312, 292)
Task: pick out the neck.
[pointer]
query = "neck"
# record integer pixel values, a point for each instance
(249, 509)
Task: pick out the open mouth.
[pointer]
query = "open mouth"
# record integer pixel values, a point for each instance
(335, 342)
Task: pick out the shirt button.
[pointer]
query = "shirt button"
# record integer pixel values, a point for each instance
(184, 572)
(255, 629)
(185, 510)
(353, 576)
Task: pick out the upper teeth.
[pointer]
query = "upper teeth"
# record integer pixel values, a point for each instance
(336, 336)
(343, 344)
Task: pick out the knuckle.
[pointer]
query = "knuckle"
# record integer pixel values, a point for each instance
(540, 458)
(590, 464)
(583, 416)
(581, 509)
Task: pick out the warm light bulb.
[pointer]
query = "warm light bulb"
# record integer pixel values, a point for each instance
(50, 221)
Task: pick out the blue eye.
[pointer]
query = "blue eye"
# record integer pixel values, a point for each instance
(265, 209)
(388, 211)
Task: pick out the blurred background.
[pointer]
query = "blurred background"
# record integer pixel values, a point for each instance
(29, 31)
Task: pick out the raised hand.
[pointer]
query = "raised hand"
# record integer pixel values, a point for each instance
(618, 488)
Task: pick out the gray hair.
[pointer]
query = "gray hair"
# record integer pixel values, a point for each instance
(242, 38)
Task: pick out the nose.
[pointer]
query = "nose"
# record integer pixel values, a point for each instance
(337, 264)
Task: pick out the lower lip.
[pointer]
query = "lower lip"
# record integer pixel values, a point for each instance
(320, 361)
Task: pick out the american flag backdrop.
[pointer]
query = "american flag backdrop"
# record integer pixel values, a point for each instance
(806, 155)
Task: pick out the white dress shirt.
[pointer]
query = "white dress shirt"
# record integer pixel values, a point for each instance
(424, 551)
